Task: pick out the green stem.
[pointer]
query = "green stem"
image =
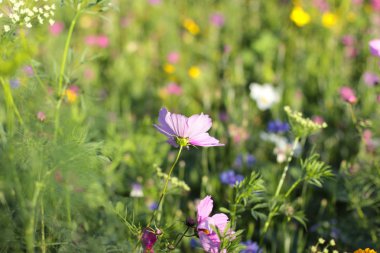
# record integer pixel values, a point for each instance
(286, 167)
(29, 231)
(62, 72)
(275, 207)
(163, 193)
(10, 105)
(293, 187)
(182, 235)
(43, 242)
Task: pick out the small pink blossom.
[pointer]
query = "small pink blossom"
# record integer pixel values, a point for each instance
(357, 2)
(100, 41)
(208, 237)
(41, 116)
(148, 239)
(318, 119)
(173, 89)
(348, 40)
(217, 19)
(371, 79)
(374, 47)
(173, 57)
(154, 2)
(348, 95)
(28, 70)
(56, 28)
(321, 5)
(184, 131)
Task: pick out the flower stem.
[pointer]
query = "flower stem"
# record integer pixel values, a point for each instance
(62, 72)
(10, 105)
(275, 207)
(182, 235)
(163, 193)
(29, 231)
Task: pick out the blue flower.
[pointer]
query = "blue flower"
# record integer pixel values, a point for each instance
(15, 83)
(229, 177)
(251, 247)
(277, 126)
(251, 160)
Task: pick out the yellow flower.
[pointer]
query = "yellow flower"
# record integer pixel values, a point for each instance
(71, 96)
(367, 250)
(168, 68)
(329, 19)
(191, 26)
(194, 72)
(299, 16)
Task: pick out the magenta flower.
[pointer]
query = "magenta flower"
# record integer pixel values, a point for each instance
(348, 95)
(374, 47)
(375, 5)
(208, 237)
(148, 239)
(184, 131)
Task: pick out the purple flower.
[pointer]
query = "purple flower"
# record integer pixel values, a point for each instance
(137, 191)
(238, 163)
(184, 131)
(148, 239)
(209, 238)
(229, 177)
(251, 160)
(251, 247)
(153, 206)
(374, 47)
(277, 126)
(217, 19)
(371, 79)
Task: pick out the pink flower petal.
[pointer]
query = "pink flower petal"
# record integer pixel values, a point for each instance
(204, 208)
(210, 243)
(205, 140)
(197, 124)
(220, 220)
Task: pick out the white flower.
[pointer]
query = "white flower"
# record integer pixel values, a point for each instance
(265, 95)
(7, 28)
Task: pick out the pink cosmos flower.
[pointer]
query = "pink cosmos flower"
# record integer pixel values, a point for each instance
(184, 131)
(148, 239)
(56, 28)
(348, 95)
(208, 237)
(374, 47)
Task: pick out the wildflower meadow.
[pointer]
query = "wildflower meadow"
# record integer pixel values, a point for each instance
(221, 126)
